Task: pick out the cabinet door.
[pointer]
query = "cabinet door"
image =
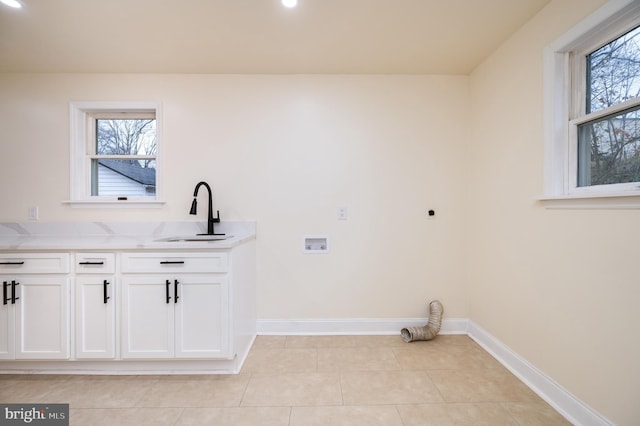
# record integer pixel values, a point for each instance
(202, 317)
(95, 317)
(147, 317)
(7, 323)
(42, 318)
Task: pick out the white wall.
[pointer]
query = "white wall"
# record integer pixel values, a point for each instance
(559, 287)
(286, 151)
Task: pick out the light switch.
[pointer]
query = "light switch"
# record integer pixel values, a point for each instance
(32, 213)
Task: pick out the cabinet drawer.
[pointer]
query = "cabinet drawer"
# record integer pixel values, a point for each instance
(34, 263)
(95, 263)
(174, 262)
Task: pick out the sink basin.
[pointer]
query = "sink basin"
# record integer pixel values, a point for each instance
(194, 238)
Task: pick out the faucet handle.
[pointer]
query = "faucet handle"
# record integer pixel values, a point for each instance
(217, 218)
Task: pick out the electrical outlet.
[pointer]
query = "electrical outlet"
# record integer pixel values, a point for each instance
(32, 213)
(342, 213)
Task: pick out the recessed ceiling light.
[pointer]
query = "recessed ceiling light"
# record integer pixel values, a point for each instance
(289, 3)
(12, 3)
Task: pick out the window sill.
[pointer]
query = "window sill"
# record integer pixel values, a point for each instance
(626, 200)
(113, 204)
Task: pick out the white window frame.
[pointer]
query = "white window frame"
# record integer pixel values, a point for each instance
(82, 115)
(563, 106)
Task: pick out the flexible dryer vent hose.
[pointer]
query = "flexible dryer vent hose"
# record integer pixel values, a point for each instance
(430, 330)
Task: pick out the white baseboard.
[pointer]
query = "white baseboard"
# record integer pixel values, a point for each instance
(363, 326)
(559, 398)
(574, 410)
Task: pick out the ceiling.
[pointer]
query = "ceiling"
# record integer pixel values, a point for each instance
(257, 36)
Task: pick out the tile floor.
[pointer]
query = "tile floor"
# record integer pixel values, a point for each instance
(305, 380)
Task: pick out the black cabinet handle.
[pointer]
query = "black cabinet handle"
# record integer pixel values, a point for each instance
(12, 263)
(5, 292)
(172, 262)
(91, 263)
(175, 291)
(105, 297)
(168, 297)
(13, 292)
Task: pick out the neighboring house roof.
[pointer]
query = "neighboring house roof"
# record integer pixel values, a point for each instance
(133, 171)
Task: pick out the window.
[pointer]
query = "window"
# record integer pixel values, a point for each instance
(114, 154)
(607, 128)
(592, 109)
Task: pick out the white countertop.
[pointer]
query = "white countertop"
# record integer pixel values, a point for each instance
(119, 236)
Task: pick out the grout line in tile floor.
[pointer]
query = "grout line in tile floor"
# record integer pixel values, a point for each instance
(308, 380)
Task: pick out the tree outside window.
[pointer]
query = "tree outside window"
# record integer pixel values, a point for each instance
(609, 144)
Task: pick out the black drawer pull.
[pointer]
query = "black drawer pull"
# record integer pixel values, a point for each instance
(105, 283)
(172, 262)
(91, 263)
(12, 263)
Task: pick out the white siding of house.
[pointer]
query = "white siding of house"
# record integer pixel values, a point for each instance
(115, 184)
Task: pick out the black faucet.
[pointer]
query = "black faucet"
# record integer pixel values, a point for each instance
(194, 209)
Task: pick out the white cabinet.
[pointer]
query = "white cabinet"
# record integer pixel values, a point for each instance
(175, 305)
(202, 317)
(95, 301)
(133, 310)
(34, 315)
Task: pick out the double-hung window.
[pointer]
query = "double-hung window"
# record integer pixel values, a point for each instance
(606, 127)
(114, 154)
(592, 102)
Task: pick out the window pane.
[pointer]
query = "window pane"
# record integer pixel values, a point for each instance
(613, 72)
(123, 178)
(126, 137)
(609, 150)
